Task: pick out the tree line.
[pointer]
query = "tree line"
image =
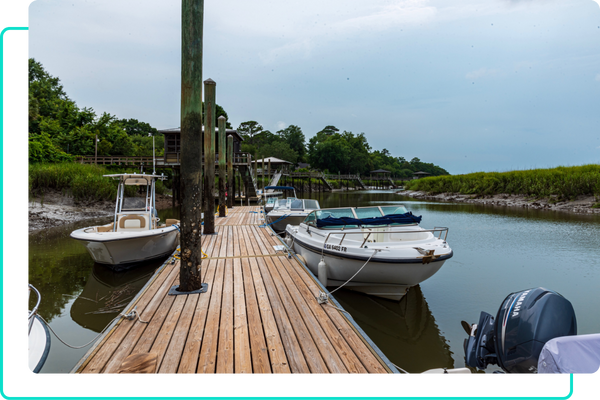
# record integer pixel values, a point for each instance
(59, 130)
(329, 151)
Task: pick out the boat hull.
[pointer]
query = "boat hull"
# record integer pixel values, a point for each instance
(39, 344)
(385, 275)
(118, 250)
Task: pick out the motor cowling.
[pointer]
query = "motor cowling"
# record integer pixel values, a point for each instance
(525, 321)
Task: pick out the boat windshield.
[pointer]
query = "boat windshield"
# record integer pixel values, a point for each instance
(311, 204)
(133, 204)
(368, 212)
(296, 205)
(312, 218)
(271, 200)
(387, 210)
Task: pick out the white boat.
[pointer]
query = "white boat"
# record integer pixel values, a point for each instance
(290, 211)
(136, 234)
(270, 197)
(39, 337)
(381, 250)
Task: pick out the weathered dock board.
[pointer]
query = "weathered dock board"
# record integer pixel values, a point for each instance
(260, 315)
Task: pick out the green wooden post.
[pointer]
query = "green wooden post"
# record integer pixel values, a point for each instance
(230, 177)
(222, 167)
(192, 12)
(209, 154)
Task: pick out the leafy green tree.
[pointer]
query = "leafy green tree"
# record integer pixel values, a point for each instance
(248, 130)
(295, 139)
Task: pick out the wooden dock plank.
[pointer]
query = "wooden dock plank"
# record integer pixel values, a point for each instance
(372, 363)
(225, 361)
(257, 345)
(191, 350)
(315, 359)
(208, 350)
(243, 359)
(351, 362)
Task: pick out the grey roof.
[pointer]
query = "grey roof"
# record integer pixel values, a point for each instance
(421, 173)
(379, 171)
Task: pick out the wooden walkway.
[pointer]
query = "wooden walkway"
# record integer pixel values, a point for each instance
(260, 315)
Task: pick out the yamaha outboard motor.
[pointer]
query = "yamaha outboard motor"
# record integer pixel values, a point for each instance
(514, 339)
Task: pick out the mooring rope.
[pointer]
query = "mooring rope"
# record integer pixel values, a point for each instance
(324, 297)
(131, 315)
(277, 220)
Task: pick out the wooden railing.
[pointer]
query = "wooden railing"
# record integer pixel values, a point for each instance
(162, 161)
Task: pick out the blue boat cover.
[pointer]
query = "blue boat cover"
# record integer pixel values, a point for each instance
(279, 187)
(407, 218)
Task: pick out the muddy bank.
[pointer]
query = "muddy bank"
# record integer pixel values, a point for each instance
(54, 209)
(581, 205)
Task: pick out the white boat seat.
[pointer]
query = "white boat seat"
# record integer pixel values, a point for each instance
(132, 222)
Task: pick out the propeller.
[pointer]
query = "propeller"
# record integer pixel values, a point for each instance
(470, 329)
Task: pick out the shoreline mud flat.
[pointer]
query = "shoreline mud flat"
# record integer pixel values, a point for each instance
(54, 209)
(581, 205)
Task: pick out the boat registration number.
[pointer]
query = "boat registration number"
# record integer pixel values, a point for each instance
(335, 247)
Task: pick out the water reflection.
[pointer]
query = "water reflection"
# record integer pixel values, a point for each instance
(106, 293)
(405, 331)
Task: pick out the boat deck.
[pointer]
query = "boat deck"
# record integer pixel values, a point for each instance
(259, 315)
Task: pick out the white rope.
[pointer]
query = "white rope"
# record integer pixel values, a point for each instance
(131, 315)
(324, 297)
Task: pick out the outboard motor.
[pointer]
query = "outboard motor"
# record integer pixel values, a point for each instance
(514, 339)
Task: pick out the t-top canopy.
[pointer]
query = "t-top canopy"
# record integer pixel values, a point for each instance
(136, 179)
(407, 218)
(280, 187)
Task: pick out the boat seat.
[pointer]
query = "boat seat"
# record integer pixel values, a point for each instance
(105, 228)
(132, 222)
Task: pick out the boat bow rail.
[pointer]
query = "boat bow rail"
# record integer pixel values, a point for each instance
(367, 232)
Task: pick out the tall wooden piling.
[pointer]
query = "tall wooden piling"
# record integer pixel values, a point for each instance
(209, 154)
(192, 13)
(222, 165)
(262, 170)
(230, 177)
(269, 172)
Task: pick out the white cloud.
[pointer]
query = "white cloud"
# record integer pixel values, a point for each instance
(597, 2)
(281, 125)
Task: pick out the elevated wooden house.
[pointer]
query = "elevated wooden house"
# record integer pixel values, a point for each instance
(173, 145)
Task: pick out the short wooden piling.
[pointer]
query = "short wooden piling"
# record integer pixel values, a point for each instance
(222, 165)
(230, 177)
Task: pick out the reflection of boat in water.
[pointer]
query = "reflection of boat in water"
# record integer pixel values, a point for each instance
(405, 331)
(107, 292)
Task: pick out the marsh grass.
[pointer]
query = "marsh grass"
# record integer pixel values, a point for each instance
(83, 182)
(556, 184)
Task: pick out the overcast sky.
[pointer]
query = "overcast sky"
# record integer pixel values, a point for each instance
(475, 85)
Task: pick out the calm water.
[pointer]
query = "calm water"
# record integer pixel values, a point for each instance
(496, 251)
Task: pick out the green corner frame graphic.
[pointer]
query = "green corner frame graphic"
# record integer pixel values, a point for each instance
(22, 28)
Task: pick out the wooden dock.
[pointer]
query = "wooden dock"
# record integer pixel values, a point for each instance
(259, 315)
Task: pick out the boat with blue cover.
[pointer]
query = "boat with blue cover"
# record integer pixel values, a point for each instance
(378, 250)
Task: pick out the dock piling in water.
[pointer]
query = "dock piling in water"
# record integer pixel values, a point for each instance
(209, 155)
(192, 13)
(230, 177)
(222, 164)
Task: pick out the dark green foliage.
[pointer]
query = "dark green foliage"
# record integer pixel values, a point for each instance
(59, 129)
